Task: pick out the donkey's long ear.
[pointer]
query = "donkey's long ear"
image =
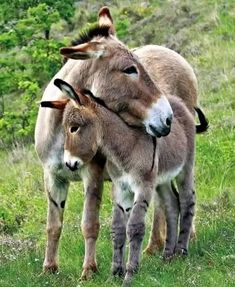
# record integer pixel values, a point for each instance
(59, 105)
(68, 90)
(83, 51)
(78, 98)
(105, 19)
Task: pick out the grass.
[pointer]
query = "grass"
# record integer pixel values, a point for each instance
(207, 41)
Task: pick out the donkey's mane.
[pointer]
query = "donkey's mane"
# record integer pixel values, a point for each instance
(88, 34)
(95, 99)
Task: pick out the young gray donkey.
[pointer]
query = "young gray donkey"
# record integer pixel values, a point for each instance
(137, 164)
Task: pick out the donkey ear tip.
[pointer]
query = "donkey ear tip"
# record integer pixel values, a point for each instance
(57, 82)
(46, 104)
(63, 50)
(104, 11)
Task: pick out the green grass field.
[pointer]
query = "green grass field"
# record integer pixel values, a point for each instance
(204, 32)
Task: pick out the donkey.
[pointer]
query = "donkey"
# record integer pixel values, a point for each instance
(134, 85)
(90, 126)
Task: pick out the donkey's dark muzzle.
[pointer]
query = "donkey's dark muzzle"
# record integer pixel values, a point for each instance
(160, 133)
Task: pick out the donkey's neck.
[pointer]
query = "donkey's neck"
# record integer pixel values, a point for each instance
(120, 142)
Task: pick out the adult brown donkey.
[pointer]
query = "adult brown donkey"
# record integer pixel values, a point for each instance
(134, 84)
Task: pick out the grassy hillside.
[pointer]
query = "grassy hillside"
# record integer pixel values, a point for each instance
(204, 33)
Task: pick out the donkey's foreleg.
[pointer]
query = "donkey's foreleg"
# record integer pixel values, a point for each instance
(93, 185)
(56, 189)
(119, 240)
(136, 231)
(170, 201)
(123, 202)
(187, 200)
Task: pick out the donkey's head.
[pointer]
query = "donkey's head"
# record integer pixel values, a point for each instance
(81, 125)
(113, 73)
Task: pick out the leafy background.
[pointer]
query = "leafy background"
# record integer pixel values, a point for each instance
(32, 32)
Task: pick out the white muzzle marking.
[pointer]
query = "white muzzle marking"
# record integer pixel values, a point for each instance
(72, 162)
(159, 118)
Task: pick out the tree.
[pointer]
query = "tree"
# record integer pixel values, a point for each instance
(29, 58)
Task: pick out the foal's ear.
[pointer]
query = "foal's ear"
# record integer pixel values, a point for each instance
(67, 89)
(78, 98)
(59, 105)
(105, 19)
(83, 51)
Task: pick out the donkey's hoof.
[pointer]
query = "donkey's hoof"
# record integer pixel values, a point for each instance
(152, 248)
(88, 272)
(128, 279)
(167, 256)
(50, 268)
(193, 235)
(181, 252)
(118, 270)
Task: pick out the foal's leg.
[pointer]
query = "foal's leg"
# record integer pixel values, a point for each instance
(56, 189)
(119, 240)
(170, 199)
(136, 231)
(187, 200)
(93, 186)
(122, 208)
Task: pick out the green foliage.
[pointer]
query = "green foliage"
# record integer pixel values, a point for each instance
(38, 19)
(122, 27)
(28, 60)
(17, 9)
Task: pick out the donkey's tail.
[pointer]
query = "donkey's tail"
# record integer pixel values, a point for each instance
(204, 123)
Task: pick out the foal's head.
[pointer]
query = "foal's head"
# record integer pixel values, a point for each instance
(113, 73)
(82, 127)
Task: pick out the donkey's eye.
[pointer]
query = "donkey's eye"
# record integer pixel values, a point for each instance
(130, 70)
(74, 130)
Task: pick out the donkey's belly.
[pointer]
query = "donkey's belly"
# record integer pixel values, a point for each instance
(167, 176)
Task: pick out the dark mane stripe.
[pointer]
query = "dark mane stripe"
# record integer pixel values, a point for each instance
(97, 100)
(88, 35)
(102, 103)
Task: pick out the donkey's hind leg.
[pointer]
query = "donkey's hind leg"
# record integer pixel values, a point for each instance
(158, 230)
(170, 200)
(56, 189)
(187, 200)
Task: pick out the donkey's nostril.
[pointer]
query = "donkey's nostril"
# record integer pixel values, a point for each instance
(155, 131)
(168, 121)
(72, 166)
